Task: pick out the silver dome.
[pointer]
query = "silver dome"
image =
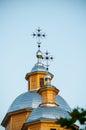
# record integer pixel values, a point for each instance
(48, 76)
(38, 67)
(25, 100)
(62, 103)
(47, 113)
(39, 54)
(32, 100)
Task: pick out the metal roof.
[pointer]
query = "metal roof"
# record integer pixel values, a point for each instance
(38, 67)
(47, 113)
(25, 100)
(32, 99)
(62, 103)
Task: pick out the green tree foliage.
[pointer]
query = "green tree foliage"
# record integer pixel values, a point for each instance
(78, 114)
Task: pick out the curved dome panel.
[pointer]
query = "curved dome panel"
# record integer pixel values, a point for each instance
(62, 103)
(25, 100)
(38, 67)
(47, 113)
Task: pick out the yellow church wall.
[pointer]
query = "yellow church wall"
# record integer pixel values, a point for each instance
(48, 94)
(34, 80)
(8, 125)
(44, 125)
(48, 97)
(17, 120)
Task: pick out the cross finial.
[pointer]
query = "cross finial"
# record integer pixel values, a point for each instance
(47, 57)
(39, 35)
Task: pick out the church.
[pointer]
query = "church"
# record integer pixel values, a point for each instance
(41, 105)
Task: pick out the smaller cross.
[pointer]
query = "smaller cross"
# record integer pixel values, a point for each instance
(48, 58)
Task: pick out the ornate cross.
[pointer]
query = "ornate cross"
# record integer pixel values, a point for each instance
(48, 58)
(39, 35)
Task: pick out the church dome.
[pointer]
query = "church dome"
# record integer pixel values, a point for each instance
(47, 113)
(25, 100)
(38, 67)
(32, 99)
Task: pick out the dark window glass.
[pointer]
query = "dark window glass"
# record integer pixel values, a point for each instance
(41, 82)
(29, 85)
(52, 129)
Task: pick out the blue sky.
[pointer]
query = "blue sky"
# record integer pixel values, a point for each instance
(64, 22)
